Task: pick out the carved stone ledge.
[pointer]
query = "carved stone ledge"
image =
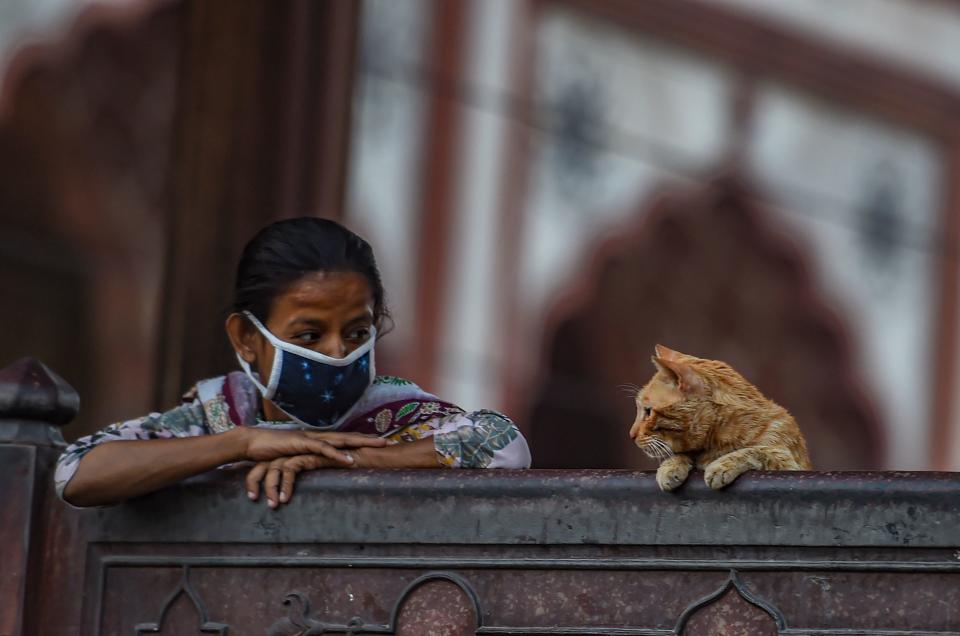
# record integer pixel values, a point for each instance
(34, 402)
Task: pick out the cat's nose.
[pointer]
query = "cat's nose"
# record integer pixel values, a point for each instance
(635, 429)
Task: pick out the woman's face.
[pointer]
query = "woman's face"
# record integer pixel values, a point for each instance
(328, 312)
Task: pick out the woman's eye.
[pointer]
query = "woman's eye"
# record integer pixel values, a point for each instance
(307, 336)
(360, 334)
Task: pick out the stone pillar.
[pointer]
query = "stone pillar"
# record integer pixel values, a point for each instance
(34, 403)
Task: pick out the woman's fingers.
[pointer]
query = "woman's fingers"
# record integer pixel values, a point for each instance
(348, 440)
(279, 476)
(254, 477)
(326, 450)
(271, 483)
(286, 483)
(291, 467)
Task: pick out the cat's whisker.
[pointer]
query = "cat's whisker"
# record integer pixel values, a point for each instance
(661, 451)
(657, 449)
(664, 447)
(650, 448)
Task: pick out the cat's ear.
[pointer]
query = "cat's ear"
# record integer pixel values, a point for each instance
(666, 353)
(662, 368)
(683, 375)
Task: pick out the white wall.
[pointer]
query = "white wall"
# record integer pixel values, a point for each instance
(918, 35)
(663, 116)
(821, 165)
(471, 352)
(385, 156)
(25, 21)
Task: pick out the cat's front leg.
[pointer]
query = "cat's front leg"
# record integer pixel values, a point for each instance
(673, 471)
(725, 469)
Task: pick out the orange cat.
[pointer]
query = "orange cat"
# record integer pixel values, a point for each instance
(702, 413)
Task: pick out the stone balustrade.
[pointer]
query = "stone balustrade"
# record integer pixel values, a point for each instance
(461, 552)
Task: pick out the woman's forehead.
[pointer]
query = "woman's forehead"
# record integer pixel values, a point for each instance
(323, 293)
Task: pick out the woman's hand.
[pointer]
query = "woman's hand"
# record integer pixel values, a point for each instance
(279, 474)
(263, 445)
(283, 454)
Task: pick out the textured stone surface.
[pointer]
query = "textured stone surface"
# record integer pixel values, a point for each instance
(17, 469)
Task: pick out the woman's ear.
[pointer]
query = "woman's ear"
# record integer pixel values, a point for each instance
(241, 335)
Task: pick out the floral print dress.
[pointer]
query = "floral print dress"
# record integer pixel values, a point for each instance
(391, 407)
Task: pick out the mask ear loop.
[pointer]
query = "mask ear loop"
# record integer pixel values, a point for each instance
(309, 354)
(271, 389)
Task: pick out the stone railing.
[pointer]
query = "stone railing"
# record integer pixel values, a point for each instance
(447, 552)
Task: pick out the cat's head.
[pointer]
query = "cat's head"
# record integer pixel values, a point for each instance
(677, 408)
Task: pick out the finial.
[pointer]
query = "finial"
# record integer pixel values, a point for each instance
(29, 390)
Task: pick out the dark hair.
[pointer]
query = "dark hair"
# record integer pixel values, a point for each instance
(284, 251)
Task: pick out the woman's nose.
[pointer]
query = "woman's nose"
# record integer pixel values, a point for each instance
(334, 346)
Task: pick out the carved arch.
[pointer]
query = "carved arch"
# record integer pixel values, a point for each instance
(733, 582)
(206, 626)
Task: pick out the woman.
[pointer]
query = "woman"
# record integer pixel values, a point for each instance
(308, 305)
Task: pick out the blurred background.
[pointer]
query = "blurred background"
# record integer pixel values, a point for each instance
(551, 187)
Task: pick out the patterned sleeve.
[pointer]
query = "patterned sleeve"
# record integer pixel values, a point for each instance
(184, 421)
(481, 439)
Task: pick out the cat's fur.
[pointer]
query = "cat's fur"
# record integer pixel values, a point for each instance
(702, 413)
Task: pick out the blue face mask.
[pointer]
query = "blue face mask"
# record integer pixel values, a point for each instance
(310, 387)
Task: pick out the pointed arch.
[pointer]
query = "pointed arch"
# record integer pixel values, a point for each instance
(734, 582)
(206, 626)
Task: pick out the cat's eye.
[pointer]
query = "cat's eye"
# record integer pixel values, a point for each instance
(647, 412)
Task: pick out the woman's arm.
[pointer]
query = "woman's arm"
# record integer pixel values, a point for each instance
(117, 470)
(418, 454)
(278, 476)
(482, 439)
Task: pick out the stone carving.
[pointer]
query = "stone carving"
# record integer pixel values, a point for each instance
(184, 588)
(459, 612)
(732, 609)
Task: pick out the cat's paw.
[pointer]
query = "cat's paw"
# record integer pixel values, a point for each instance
(720, 474)
(671, 474)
